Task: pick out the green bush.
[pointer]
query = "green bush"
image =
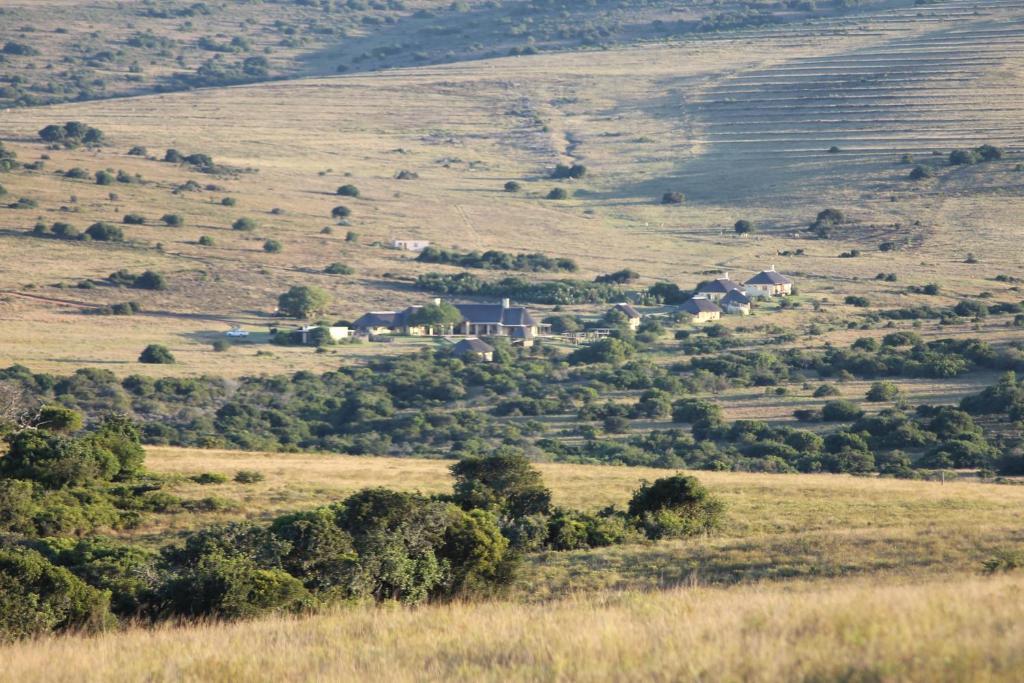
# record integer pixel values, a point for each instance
(505, 483)
(348, 191)
(557, 193)
(341, 212)
(105, 178)
(244, 224)
(841, 411)
(134, 219)
(173, 220)
(210, 478)
(37, 597)
(206, 241)
(512, 186)
(105, 232)
(673, 198)
(249, 476)
(338, 268)
(272, 246)
(303, 302)
(883, 391)
(156, 354)
(743, 227)
(676, 506)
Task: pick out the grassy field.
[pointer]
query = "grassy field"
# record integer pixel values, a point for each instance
(693, 116)
(778, 526)
(962, 628)
(814, 577)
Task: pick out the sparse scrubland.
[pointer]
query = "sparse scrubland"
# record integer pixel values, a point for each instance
(197, 469)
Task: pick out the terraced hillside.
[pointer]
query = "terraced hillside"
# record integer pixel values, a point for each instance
(916, 81)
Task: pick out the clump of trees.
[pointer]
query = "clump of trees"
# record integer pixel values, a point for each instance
(497, 260)
(564, 171)
(71, 134)
(826, 222)
(303, 302)
(148, 279)
(967, 157)
(377, 544)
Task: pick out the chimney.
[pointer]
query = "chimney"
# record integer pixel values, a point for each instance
(506, 303)
(772, 268)
(725, 275)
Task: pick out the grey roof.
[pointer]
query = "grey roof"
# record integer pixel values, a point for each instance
(722, 285)
(736, 296)
(376, 319)
(627, 310)
(695, 306)
(769, 277)
(472, 345)
(496, 314)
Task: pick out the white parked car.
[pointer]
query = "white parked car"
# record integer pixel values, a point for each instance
(237, 332)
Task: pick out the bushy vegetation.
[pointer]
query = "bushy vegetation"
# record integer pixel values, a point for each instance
(540, 292)
(71, 134)
(498, 260)
(378, 544)
(303, 302)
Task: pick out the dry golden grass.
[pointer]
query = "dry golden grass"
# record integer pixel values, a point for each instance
(959, 629)
(777, 526)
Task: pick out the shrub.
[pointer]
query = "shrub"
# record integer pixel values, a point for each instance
(743, 227)
(675, 506)
(962, 157)
(150, 280)
(826, 390)
(351, 236)
(105, 232)
(506, 483)
(858, 301)
(104, 178)
(134, 219)
(173, 220)
(228, 201)
(348, 191)
(272, 246)
(883, 391)
(173, 156)
(920, 173)
(341, 212)
(138, 151)
(338, 268)
(557, 193)
(156, 354)
(841, 411)
(76, 173)
(512, 186)
(672, 198)
(562, 171)
(206, 241)
(245, 224)
(303, 302)
(221, 345)
(249, 476)
(209, 478)
(37, 597)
